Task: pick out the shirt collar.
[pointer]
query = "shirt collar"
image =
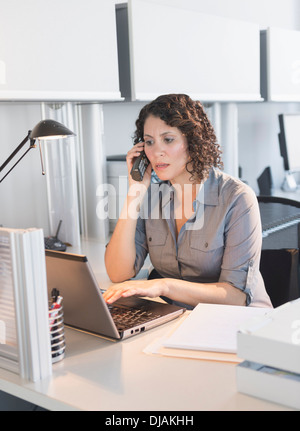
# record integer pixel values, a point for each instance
(208, 194)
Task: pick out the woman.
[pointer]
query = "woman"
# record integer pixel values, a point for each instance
(200, 226)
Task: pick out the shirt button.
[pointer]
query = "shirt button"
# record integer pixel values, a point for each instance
(206, 245)
(150, 238)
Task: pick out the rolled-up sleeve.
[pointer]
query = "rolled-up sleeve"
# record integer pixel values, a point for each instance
(242, 241)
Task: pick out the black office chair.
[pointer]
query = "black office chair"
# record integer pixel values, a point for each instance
(279, 263)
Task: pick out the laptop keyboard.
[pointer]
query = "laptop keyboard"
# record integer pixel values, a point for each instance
(125, 318)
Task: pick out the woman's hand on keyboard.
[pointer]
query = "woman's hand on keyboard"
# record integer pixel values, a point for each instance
(149, 288)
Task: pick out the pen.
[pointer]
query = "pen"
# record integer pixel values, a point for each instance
(54, 294)
(56, 303)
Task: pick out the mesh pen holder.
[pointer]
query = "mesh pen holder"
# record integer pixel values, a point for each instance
(57, 333)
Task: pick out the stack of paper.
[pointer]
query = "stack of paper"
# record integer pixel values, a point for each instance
(271, 347)
(208, 332)
(25, 344)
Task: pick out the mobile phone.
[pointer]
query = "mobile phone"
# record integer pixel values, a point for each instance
(139, 167)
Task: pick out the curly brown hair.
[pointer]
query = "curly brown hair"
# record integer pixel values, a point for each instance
(179, 110)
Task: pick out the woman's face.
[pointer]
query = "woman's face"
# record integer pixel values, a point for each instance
(166, 148)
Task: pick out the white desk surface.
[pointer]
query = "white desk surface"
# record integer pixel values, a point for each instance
(98, 374)
(294, 195)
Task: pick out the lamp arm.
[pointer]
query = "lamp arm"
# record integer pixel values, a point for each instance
(13, 154)
(15, 151)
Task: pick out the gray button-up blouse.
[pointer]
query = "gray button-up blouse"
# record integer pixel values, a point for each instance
(220, 242)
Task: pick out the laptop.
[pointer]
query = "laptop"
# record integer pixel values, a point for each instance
(85, 308)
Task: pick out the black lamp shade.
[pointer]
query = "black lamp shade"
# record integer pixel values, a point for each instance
(50, 129)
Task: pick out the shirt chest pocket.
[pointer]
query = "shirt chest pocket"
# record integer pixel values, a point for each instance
(204, 256)
(207, 245)
(156, 238)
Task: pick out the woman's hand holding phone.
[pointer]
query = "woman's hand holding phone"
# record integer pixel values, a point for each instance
(132, 156)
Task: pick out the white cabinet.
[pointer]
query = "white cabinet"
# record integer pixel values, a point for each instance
(58, 50)
(281, 71)
(177, 50)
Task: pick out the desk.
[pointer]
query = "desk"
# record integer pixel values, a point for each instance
(295, 195)
(98, 374)
(101, 375)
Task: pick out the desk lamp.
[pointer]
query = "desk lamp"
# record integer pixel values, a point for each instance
(45, 129)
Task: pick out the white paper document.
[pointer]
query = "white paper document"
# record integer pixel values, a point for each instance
(213, 328)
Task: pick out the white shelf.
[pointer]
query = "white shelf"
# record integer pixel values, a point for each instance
(177, 50)
(58, 96)
(51, 51)
(281, 72)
